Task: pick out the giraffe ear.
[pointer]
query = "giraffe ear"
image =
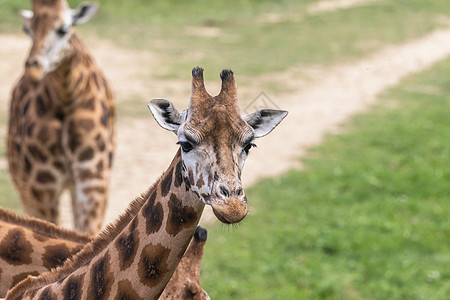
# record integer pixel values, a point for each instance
(83, 13)
(263, 121)
(166, 114)
(26, 15)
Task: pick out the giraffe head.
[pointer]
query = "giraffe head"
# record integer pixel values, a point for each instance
(50, 26)
(215, 141)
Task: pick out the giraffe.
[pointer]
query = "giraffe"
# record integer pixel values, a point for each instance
(184, 284)
(30, 246)
(135, 257)
(61, 126)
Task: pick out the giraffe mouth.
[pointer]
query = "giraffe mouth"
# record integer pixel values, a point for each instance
(220, 218)
(34, 74)
(230, 211)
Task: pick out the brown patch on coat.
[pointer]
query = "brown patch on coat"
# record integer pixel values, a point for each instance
(45, 177)
(153, 214)
(89, 104)
(178, 175)
(47, 294)
(86, 124)
(127, 245)
(37, 154)
(166, 183)
(200, 181)
(75, 137)
(59, 166)
(73, 288)
(15, 249)
(180, 217)
(191, 177)
(100, 143)
(55, 255)
(125, 291)
(152, 265)
(101, 279)
(86, 154)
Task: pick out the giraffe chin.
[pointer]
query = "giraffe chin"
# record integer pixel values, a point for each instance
(34, 74)
(231, 212)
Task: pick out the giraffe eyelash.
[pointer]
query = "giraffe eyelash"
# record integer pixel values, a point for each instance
(185, 146)
(248, 146)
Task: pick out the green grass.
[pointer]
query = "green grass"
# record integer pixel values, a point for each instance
(368, 218)
(8, 195)
(245, 42)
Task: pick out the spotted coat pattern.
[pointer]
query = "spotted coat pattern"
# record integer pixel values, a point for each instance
(31, 246)
(130, 258)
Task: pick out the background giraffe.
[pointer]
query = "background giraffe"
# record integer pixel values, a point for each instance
(61, 127)
(135, 257)
(30, 246)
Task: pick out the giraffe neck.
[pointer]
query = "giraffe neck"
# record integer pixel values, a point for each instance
(70, 80)
(30, 246)
(134, 257)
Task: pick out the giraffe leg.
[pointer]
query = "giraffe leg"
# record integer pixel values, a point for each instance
(89, 201)
(42, 202)
(91, 166)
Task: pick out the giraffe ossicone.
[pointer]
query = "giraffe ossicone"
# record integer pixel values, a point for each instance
(134, 257)
(61, 127)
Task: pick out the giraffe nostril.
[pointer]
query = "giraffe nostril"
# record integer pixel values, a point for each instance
(239, 192)
(31, 63)
(225, 192)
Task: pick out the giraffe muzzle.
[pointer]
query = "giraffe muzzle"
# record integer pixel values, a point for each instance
(34, 70)
(231, 210)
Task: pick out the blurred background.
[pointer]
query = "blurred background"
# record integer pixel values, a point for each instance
(349, 196)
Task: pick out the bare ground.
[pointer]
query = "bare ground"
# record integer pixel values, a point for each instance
(316, 106)
(330, 5)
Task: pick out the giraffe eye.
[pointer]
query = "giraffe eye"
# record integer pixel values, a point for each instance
(248, 147)
(26, 29)
(62, 31)
(186, 146)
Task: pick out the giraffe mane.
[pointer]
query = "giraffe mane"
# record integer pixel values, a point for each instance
(43, 227)
(95, 246)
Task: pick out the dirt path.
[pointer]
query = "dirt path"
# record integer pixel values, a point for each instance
(145, 150)
(330, 5)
